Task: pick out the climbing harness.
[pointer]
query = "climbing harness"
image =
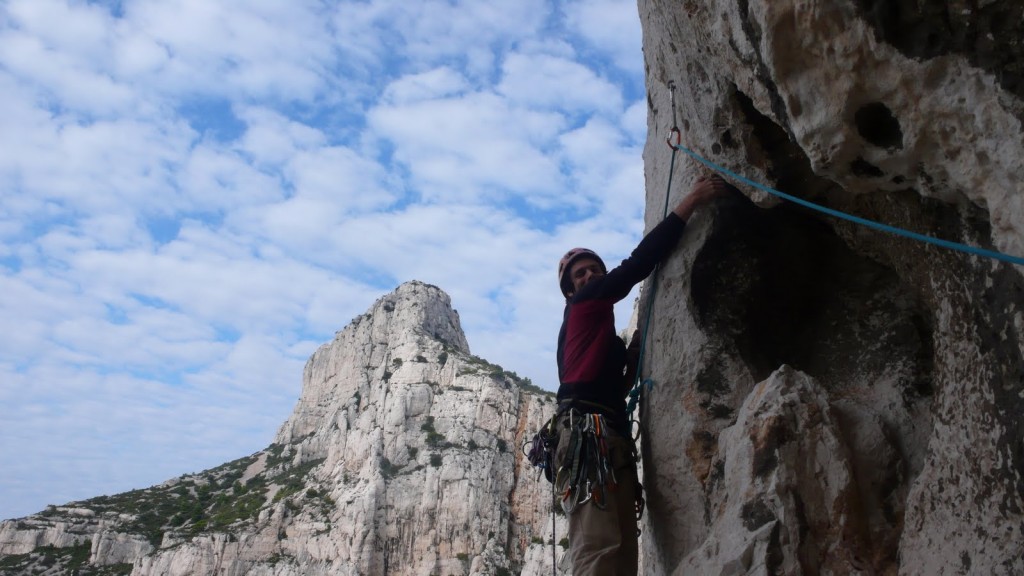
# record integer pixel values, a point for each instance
(587, 473)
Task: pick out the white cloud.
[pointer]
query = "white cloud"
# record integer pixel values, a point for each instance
(467, 32)
(220, 48)
(609, 26)
(58, 165)
(555, 82)
(139, 54)
(195, 194)
(634, 121)
(61, 49)
(436, 83)
(341, 177)
(474, 146)
(217, 180)
(608, 166)
(272, 138)
(77, 30)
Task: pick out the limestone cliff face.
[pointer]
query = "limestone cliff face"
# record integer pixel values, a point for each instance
(402, 456)
(828, 398)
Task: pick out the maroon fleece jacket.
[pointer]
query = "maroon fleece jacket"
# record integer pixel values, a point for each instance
(591, 357)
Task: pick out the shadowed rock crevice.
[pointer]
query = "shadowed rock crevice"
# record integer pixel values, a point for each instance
(988, 34)
(779, 286)
(783, 288)
(785, 164)
(877, 124)
(752, 32)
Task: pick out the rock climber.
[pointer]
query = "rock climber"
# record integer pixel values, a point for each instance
(595, 458)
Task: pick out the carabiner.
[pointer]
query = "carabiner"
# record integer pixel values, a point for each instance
(675, 125)
(589, 494)
(679, 138)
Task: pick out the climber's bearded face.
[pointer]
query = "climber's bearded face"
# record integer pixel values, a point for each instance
(583, 271)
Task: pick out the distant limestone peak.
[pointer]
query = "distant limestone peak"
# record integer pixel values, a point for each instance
(401, 457)
(419, 308)
(415, 323)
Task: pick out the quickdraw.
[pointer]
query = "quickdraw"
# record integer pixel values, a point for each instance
(588, 473)
(540, 450)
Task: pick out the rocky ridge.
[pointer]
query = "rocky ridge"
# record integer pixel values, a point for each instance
(400, 457)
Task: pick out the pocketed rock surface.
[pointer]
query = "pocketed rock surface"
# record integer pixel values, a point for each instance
(829, 398)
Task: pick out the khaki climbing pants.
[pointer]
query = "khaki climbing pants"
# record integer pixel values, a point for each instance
(603, 539)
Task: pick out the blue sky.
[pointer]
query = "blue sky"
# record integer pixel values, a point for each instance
(196, 194)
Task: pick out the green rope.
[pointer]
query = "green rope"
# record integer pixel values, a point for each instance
(638, 385)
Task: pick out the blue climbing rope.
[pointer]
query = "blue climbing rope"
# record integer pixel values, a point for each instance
(639, 384)
(855, 219)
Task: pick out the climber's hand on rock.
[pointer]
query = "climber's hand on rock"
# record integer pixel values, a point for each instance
(706, 189)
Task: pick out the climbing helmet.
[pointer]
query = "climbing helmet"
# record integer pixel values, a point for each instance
(564, 282)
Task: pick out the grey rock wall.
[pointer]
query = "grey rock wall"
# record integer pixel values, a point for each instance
(829, 398)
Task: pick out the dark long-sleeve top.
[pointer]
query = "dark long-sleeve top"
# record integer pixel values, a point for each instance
(591, 357)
